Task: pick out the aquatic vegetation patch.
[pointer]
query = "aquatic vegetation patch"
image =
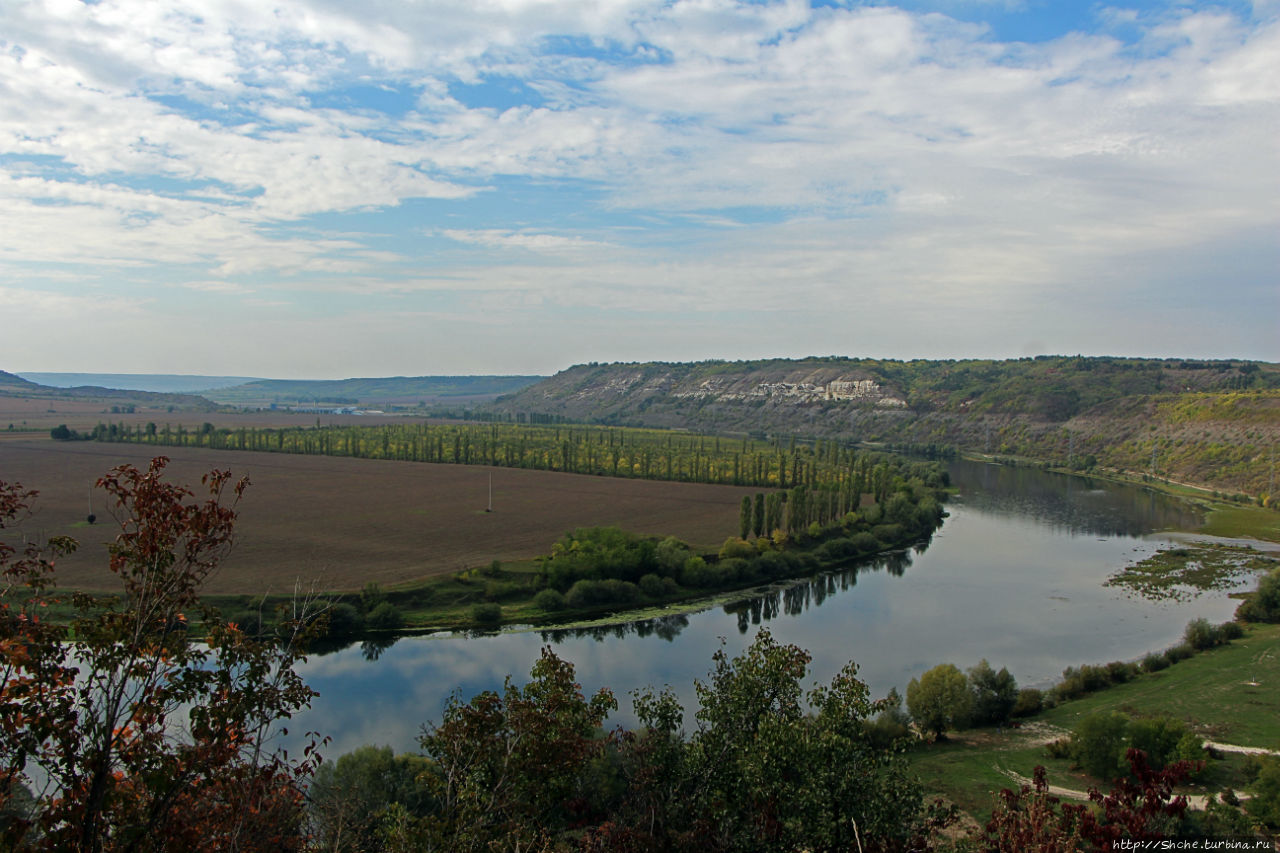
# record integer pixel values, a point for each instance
(1184, 572)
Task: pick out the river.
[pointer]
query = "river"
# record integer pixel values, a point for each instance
(1015, 575)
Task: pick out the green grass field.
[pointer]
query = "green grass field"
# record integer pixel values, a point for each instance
(1236, 521)
(1230, 694)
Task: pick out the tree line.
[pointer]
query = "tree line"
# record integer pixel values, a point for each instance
(649, 454)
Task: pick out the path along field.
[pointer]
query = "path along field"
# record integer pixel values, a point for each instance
(341, 522)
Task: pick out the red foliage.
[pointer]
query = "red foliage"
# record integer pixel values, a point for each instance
(1145, 809)
(142, 738)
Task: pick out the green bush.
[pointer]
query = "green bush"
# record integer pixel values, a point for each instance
(1119, 672)
(1264, 604)
(371, 596)
(891, 726)
(584, 594)
(1182, 651)
(1229, 631)
(652, 586)
(994, 694)
(736, 547)
(593, 593)
(1097, 745)
(487, 613)
(502, 590)
(1060, 748)
(1190, 748)
(1265, 804)
(887, 532)
(1200, 635)
(549, 600)
(697, 573)
(344, 620)
(1030, 702)
(385, 617)
(1154, 662)
(1158, 737)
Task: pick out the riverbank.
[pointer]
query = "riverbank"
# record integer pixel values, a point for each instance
(1223, 517)
(524, 593)
(1227, 694)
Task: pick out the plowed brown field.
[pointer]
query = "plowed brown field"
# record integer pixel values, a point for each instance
(344, 522)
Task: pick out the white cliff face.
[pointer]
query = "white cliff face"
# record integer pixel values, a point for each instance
(840, 390)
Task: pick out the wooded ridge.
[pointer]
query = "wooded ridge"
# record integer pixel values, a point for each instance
(1211, 423)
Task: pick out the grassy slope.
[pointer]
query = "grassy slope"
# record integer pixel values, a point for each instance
(1210, 423)
(1229, 694)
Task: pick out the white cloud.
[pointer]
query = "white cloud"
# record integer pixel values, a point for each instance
(220, 287)
(863, 156)
(534, 242)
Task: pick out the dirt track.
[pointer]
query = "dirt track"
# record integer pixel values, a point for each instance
(345, 522)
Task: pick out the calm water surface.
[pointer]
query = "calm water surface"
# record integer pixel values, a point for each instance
(1014, 576)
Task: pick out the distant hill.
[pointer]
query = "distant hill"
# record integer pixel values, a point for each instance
(389, 391)
(168, 383)
(12, 385)
(13, 382)
(1209, 422)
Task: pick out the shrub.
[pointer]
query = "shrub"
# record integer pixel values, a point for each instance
(487, 613)
(371, 596)
(652, 586)
(670, 556)
(592, 593)
(622, 592)
(866, 543)
(1200, 635)
(1229, 631)
(1030, 701)
(1158, 737)
(1154, 662)
(731, 571)
(940, 699)
(1097, 744)
(887, 532)
(584, 594)
(772, 564)
(994, 694)
(837, 550)
(805, 563)
(735, 547)
(1119, 672)
(344, 620)
(1190, 748)
(549, 600)
(1264, 604)
(1265, 804)
(696, 573)
(1182, 651)
(891, 726)
(385, 617)
(500, 590)
(1060, 748)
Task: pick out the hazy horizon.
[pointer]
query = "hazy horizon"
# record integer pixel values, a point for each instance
(29, 374)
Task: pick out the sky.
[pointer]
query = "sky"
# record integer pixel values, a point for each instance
(327, 189)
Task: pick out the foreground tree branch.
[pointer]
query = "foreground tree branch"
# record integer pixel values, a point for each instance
(136, 736)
